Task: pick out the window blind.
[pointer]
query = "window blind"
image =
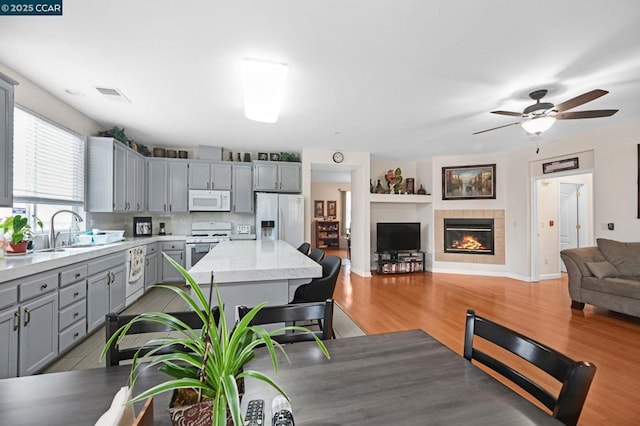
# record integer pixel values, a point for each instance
(48, 161)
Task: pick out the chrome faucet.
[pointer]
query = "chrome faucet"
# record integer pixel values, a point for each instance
(53, 236)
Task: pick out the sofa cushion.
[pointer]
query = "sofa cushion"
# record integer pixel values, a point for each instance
(624, 256)
(603, 269)
(620, 286)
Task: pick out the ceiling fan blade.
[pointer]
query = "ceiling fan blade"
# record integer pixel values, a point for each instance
(579, 100)
(511, 113)
(499, 127)
(585, 114)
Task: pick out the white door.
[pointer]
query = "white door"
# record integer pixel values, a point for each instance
(570, 218)
(291, 220)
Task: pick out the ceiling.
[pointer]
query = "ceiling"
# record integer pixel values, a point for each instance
(400, 79)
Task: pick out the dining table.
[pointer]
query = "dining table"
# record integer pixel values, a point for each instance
(399, 378)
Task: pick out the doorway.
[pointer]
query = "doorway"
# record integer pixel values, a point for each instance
(562, 212)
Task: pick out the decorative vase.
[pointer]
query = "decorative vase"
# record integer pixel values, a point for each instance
(371, 186)
(379, 188)
(421, 190)
(247, 157)
(16, 248)
(239, 158)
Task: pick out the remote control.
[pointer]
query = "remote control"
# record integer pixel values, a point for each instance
(281, 411)
(255, 413)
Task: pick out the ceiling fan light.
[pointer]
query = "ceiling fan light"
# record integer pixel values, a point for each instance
(263, 86)
(537, 125)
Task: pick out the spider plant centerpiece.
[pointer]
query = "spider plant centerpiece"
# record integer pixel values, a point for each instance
(216, 356)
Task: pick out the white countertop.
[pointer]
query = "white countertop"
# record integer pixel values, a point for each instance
(254, 260)
(12, 267)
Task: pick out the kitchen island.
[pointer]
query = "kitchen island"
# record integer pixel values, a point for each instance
(254, 271)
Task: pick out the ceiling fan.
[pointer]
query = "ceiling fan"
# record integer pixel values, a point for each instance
(540, 116)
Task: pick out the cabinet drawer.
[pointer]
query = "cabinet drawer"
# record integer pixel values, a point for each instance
(173, 245)
(73, 275)
(8, 295)
(152, 248)
(106, 262)
(72, 335)
(71, 314)
(37, 285)
(71, 294)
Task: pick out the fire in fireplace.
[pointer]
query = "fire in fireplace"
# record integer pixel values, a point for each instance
(473, 236)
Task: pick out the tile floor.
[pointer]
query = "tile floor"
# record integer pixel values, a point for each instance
(87, 354)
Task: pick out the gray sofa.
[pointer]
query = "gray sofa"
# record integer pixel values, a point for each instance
(607, 275)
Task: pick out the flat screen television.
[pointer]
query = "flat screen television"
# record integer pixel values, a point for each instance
(397, 236)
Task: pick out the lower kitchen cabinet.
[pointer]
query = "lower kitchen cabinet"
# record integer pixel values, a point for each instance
(9, 326)
(38, 334)
(176, 251)
(151, 266)
(106, 291)
(72, 302)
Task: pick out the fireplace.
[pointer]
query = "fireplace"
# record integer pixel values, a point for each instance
(471, 236)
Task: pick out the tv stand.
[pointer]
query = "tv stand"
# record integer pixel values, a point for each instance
(401, 262)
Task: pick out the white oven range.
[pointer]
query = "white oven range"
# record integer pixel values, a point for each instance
(204, 236)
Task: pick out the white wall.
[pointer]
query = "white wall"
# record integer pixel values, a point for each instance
(36, 99)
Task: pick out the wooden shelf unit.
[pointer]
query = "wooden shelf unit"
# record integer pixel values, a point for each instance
(401, 262)
(327, 234)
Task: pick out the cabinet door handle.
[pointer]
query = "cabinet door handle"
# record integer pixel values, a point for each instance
(76, 334)
(164, 208)
(146, 262)
(27, 316)
(44, 286)
(78, 275)
(75, 314)
(113, 277)
(108, 278)
(76, 294)
(169, 207)
(180, 255)
(16, 320)
(138, 206)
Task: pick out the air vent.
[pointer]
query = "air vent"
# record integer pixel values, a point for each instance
(113, 94)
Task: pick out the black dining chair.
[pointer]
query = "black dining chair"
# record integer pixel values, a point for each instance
(304, 248)
(315, 311)
(316, 255)
(575, 376)
(113, 322)
(320, 289)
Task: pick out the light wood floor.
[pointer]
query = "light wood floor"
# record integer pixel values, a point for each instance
(437, 304)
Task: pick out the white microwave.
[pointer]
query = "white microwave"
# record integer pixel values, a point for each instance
(201, 200)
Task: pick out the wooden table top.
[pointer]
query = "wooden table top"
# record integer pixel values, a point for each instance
(392, 379)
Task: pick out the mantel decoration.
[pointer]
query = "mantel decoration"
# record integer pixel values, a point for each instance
(394, 180)
(469, 182)
(16, 231)
(218, 354)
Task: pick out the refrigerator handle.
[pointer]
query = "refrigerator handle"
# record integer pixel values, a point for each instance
(281, 225)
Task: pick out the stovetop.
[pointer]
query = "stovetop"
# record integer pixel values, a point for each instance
(209, 232)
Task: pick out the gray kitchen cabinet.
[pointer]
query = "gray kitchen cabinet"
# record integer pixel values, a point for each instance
(273, 176)
(242, 191)
(151, 265)
(106, 289)
(72, 305)
(167, 188)
(157, 172)
(9, 330)
(6, 140)
(177, 185)
(209, 175)
(176, 251)
(114, 180)
(37, 319)
(141, 183)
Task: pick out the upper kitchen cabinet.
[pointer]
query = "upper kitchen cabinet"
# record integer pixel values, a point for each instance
(167, 185)
(6, 140)
(209, 175)
(242, 192)
(276, 176)
(116, 177)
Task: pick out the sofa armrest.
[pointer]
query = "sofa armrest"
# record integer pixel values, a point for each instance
(575, 260)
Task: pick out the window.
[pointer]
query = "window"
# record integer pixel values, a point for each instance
(48, 169)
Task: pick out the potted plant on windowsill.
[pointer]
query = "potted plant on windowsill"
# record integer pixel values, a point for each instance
(218, 353)
(16, 230)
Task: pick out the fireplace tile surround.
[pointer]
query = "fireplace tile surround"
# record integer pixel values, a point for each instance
(498, 258)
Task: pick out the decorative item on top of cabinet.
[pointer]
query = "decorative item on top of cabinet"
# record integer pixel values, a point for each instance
(327, 234)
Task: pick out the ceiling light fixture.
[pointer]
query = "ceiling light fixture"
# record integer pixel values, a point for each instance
(537, 125)
(263, 84)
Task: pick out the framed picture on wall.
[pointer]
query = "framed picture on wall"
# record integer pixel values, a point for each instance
(331, 208)
(318, 208)
(469, 182)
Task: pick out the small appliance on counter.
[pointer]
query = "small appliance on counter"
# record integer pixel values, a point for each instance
(162, 230)
(142, 226)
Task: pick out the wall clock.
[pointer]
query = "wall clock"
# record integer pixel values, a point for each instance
(338, 157)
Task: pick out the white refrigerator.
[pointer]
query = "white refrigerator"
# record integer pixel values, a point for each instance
(280, 217)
